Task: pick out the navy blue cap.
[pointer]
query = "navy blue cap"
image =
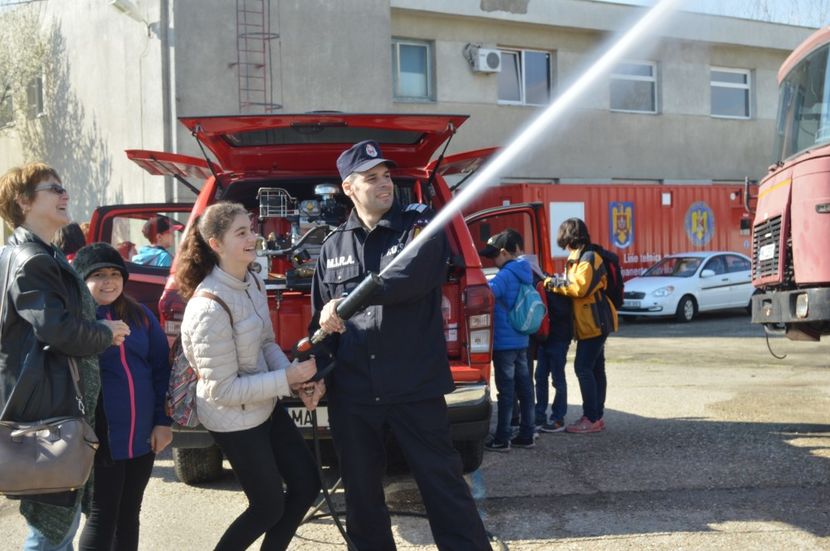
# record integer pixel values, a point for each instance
(361, 157)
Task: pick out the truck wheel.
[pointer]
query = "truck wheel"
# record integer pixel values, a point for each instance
(472, 454)
(195, 465)
(686, 309)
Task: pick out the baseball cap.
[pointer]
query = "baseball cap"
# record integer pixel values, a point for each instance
(361, 157)
(507, 239)
(158, 224)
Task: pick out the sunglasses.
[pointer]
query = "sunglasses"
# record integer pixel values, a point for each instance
(57, 189)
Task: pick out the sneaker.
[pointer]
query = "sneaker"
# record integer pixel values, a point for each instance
(520, 442)
(601, 422)
(553, 426)
(496, 446)
(584, 426)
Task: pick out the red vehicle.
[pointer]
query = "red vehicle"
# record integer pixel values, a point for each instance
(790, 264)
(282, 168)
(641, 223)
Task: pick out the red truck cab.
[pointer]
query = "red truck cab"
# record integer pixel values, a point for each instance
(790, 264)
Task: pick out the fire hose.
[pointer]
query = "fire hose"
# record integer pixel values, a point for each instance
(308, 347)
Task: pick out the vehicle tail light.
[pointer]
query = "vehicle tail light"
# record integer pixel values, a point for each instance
(171, 312)
(478, 311)
(450, 311)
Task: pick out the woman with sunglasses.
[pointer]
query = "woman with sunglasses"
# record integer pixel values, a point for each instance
(46, 303)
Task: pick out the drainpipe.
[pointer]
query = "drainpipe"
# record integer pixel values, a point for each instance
(168, 97)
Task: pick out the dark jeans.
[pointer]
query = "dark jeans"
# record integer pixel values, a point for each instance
(422, 431)
(533, 352)
(513, 377)
(263, 458)
(551, 363)
(116, 504)
(589, 365)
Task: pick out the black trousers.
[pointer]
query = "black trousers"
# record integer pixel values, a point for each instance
(116, 504)
(423, 433)
(263, 458)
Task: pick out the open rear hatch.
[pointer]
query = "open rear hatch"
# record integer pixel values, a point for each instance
(310, 143)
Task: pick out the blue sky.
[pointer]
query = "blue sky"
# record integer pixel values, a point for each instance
(808, 13)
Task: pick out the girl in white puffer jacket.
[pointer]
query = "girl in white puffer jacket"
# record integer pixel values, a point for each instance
(242, 374)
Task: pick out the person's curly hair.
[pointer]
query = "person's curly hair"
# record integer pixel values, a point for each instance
(20, 182)
(574, 233)
(196, 259)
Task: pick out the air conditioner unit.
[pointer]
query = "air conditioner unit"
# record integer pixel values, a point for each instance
(485, 60)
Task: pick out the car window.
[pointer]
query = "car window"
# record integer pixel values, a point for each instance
(736, 263)
(522, 222)
(674, 266)
(716, 264)
(128, 238)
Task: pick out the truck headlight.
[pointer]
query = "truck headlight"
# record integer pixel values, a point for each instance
(802, 305)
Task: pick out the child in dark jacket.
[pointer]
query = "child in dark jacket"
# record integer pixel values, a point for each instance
(130, 420)
(551, 359)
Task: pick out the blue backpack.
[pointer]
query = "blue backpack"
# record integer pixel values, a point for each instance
(528, 311)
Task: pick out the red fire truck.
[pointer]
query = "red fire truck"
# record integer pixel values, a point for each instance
(282, 168)
(790, 261)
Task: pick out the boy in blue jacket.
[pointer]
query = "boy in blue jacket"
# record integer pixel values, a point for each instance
(509, 346)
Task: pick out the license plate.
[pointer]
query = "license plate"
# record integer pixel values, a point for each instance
(766, 252)
(631, 304)
(302, 417)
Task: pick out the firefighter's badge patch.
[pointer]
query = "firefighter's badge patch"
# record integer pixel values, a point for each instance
(418, 226)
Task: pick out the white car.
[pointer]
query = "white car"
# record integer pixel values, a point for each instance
(681, 285)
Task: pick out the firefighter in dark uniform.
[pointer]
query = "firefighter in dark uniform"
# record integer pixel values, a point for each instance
(391, 369)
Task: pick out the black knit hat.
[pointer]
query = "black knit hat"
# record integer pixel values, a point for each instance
(93, 257)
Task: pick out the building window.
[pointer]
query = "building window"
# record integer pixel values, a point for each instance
(634, 87)
(730, 93)
(525, 77)
(6, 107)
(34, 97)
(412, 70)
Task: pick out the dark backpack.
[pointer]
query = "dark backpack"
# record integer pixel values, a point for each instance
(180, 403)
(615, 289)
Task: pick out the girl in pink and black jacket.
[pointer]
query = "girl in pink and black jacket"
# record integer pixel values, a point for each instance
(130, 419)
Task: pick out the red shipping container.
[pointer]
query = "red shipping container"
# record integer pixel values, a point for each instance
(640, 222)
